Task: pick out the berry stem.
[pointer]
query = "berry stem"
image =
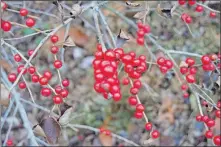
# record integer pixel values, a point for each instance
(15, 11)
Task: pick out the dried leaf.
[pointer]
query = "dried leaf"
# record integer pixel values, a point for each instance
(121, 38)
(65, 118)
(5, 65)
(4, 96)
(106, 140)
(132, 4)
(38, 130)
(51, 128)
(64, 107)
(140, 15)
(69, 42)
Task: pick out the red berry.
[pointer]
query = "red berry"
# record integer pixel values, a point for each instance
(20, 68)
(213, 57)
(35, 78)
(163, 69)
(110, 55)
(218, 104)
(3, 5)
(182, 2)
(12, 77)
(108, 71)
(113, 89)
(17, 57)
(22, 85)
(23, 12)
(30, 22)
(6, 26)
(184, 16)
(57, 64)
(134, 90)
(120, 51)
(161, 61)
(137, 84)
(43, 81)
(99, 55)
(9, 142)
(99, 47)
(183, 70)
(193, 70)
(116, 97)
(47, 74)
(45, 92)
(188, 20)
(205, 59)
(186, 95)
(198, 118)
(142, 58)
(127, 59)
(58, 89)
(65, 83)
(184, 87)
(210, 123)
(212, 14)
(140, 33)
(125, 81)
(206, 67)
(30, 52)
(54, 49)
(140, 25)
(190, 61)
(216, 140)
(64, 93)
(138, 115)
(191, 2)
(140, 40)
(57, 99)
(209, 134)
(54, 38)
(148, 126)
(155, 134)
(199, 8)
(168, 64)
(140, 108)
(218, 114)
(205, 118)
(132, 100)
(132, 53)
(31, 70)
(190, 78)
(146, 29)
(99, 77)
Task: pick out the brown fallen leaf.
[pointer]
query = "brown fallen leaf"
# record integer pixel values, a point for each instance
(4, 96)
(5, 65)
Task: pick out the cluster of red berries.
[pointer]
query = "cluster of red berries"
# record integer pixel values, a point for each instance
(189, 70)
(186, 18)
(142, 30)
(6, 25)
(164, 64)
(105, 131)
(207, 62)
(43, 80)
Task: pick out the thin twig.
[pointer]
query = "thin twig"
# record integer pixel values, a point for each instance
(15, 11)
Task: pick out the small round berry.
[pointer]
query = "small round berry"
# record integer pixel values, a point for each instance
(218, 104)
(117, 97)
(205, 59)
(209, 134)
(64, 93)
(22, 85)
(31, 70)
(168, 64)
(108, 71)
(199, 8)
(146, 28)
(132, 100)
(205, 118)
(210, 123)
(119, 52)
(99, 47)
(138, 115)
(35, 78)
(186, 95)
(127, 59)
(125, 81)
(191, 2)
(54, 38)
(218, 114)
(110, 55)
(212, 14)
(54, 49)
(137, 84)
(184, 87)
(12, 77)
(140, 108)
(58, 89)
(184, 16)
(163, 69)
(47, 74)
(17, 57)
(43, 81)
(57, 64)
(216, 140)
(161, 61)
(3, 5)
(23, 12)
(193, 70)
(142, 58)
(190, 78)
(199, 118)
(188, 20)
(140, 33)
(181, 2)
(45, 92)
(155, 134)
(9, 142)
(30, 52)
(30, 22)
(140, 40)
(183, 70)
(57, 99)
(148, 126)
(65, 82)
(6, 26)
(190, 61)
(140, 25)
(134, 90)
(20, 68)
(213, 57)
(98, 55)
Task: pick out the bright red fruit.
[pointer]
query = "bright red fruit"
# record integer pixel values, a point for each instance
(57, 64)
(205, 59)
(12, 77)
(20, 68)
(117, 96)
(199, 8)
(216, 140)
(168, 64)
(183, 16)
(22, 85)
(140, 25)
(186, 95)
(57, 99)
(65, 82)
(23, 12)
(161, 61)
(30, 52)
(54, 49)
(142, 58)
(132, 100)
(188, 20)
(218, 104)
(43, 81)
(183, 70)
(138, 115)
(146, 29)
(140, 108)
(212, 14)
(190, 61)
(137, 84)
(182, 2)
(47, 74)
(210, 123)
(45, 92)
(31, 70)
(184, 87)
(35, 78)
(209, 134)
(148, 126)
(140, 40)
(155, 134)
(125, 81)
(191, 2)
(205, 118)
(163, 69)
(193, 70)
(199, 118)
(58, 89)
(140, 33)
(9, 142)
(108, 71)
(134, 90)
(218, 114)
(110, 55)
(64, 93)
(30, 22)
(17, 57)
(6, 26)
(4, 5)
(190, 78)
(54, 38)
(99, 47)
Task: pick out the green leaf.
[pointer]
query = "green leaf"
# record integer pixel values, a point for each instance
(28, 31)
